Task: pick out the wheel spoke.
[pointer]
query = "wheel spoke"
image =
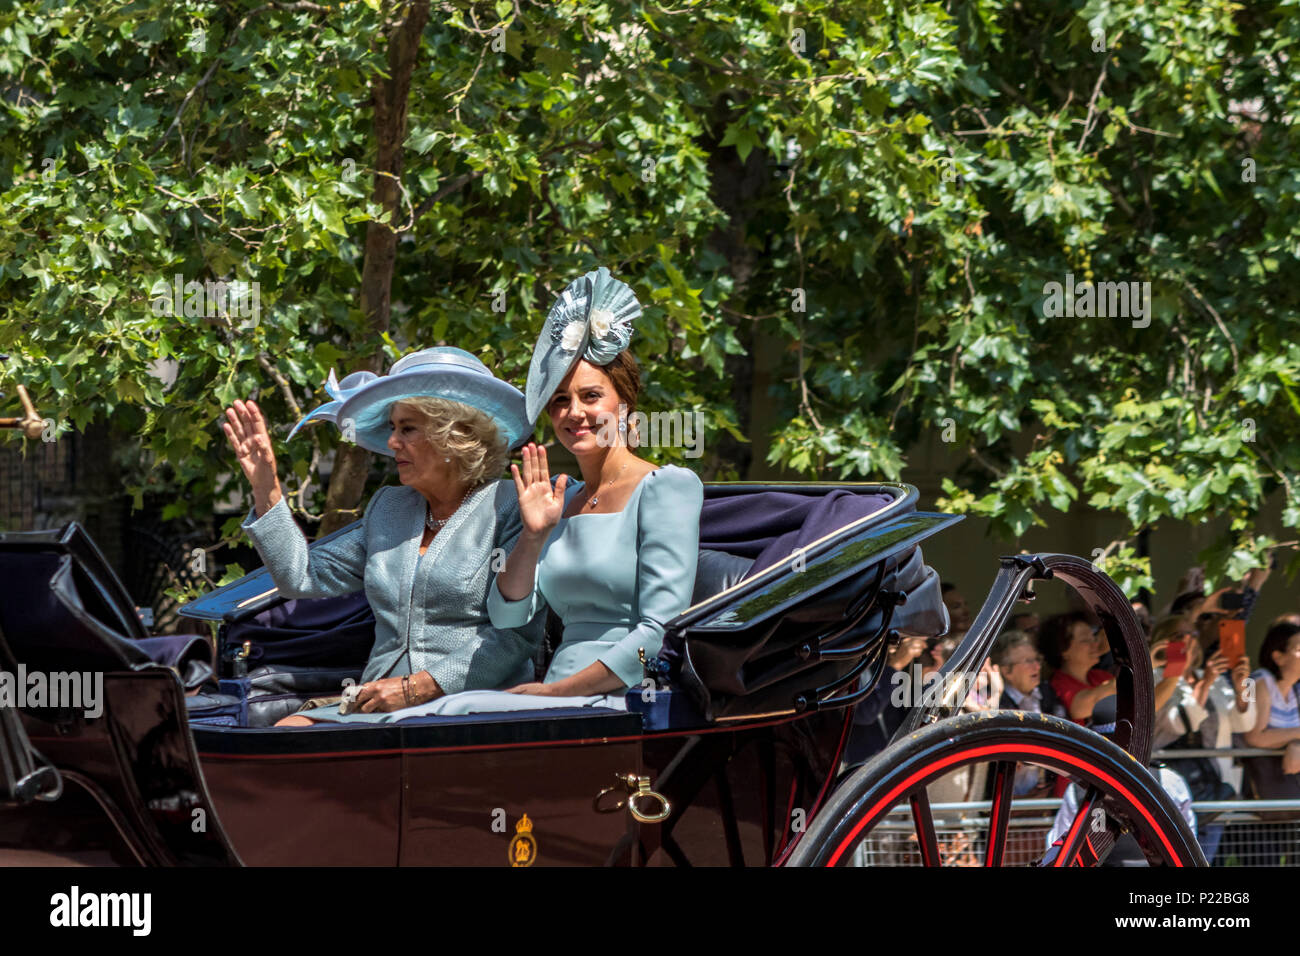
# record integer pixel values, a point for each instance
(1072, 843)
(1004, 778)
(926, 836)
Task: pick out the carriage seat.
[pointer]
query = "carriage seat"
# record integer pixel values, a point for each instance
(273, 691)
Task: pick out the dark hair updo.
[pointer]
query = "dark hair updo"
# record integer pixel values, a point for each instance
(625, 374)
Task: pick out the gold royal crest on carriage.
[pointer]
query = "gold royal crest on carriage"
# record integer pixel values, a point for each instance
(523, 846)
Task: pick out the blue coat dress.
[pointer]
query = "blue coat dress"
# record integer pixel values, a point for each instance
(430, 610)
(614, 580)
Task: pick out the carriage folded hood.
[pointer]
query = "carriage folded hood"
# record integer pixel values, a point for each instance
(127, 744)
(817, 604)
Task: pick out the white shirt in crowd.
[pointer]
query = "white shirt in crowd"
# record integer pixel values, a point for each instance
(1217, 721)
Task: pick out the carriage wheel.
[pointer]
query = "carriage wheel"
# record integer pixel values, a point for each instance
(1110, 780)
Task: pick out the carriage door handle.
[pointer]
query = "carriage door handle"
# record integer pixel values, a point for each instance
(638, 790)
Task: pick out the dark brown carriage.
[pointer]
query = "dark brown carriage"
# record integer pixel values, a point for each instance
(733, 758)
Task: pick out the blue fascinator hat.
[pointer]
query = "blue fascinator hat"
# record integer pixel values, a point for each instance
(363, 401)
(592, 319)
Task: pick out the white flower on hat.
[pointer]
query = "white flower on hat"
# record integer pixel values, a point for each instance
(571, 338)
(601, 320)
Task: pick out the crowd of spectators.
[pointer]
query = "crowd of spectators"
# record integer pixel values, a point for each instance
(1208, 696)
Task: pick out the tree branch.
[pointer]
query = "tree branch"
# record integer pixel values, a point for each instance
(1090, 121)
(1218, 319)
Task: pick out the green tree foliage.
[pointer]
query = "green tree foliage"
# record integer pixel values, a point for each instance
(879, 192)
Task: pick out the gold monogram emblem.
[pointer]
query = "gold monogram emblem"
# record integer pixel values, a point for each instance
(523, 847)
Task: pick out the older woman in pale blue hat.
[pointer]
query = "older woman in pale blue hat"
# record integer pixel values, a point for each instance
(423, 552)
(614, 555)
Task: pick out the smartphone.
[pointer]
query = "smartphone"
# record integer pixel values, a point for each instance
(1232, 641)
(1175, 658)
(1232, 601)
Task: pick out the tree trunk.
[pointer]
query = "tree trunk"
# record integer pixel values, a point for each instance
(389, 100)
(736, 187)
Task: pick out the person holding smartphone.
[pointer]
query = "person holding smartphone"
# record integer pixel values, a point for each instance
(1226, 605)
(1199, 707)
(1186, 692)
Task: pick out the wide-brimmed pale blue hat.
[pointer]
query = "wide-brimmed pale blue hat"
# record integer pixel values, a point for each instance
(363, 401)
(592, 319)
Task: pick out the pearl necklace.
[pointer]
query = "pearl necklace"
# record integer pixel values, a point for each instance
(596, 497)
(436, 524)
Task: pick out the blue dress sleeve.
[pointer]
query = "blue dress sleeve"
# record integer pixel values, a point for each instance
(514, 614)
(335, 567)
(668, 548)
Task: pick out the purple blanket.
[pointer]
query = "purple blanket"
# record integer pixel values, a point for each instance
(770, 525)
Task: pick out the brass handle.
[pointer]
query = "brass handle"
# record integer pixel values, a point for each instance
(638, 789)
(595, 804)
(645, 793)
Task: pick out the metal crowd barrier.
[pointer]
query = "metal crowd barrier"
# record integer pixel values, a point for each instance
(1207, 752)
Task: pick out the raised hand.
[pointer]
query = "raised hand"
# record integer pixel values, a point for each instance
(540, 505)
(1241, 673)
(247, 434)
(1216, 665)
(907, 650)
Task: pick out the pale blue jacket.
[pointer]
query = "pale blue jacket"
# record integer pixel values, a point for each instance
(615, 579)
(431, 610)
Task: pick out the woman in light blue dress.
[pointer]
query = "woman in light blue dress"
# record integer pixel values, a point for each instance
(613, 555)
